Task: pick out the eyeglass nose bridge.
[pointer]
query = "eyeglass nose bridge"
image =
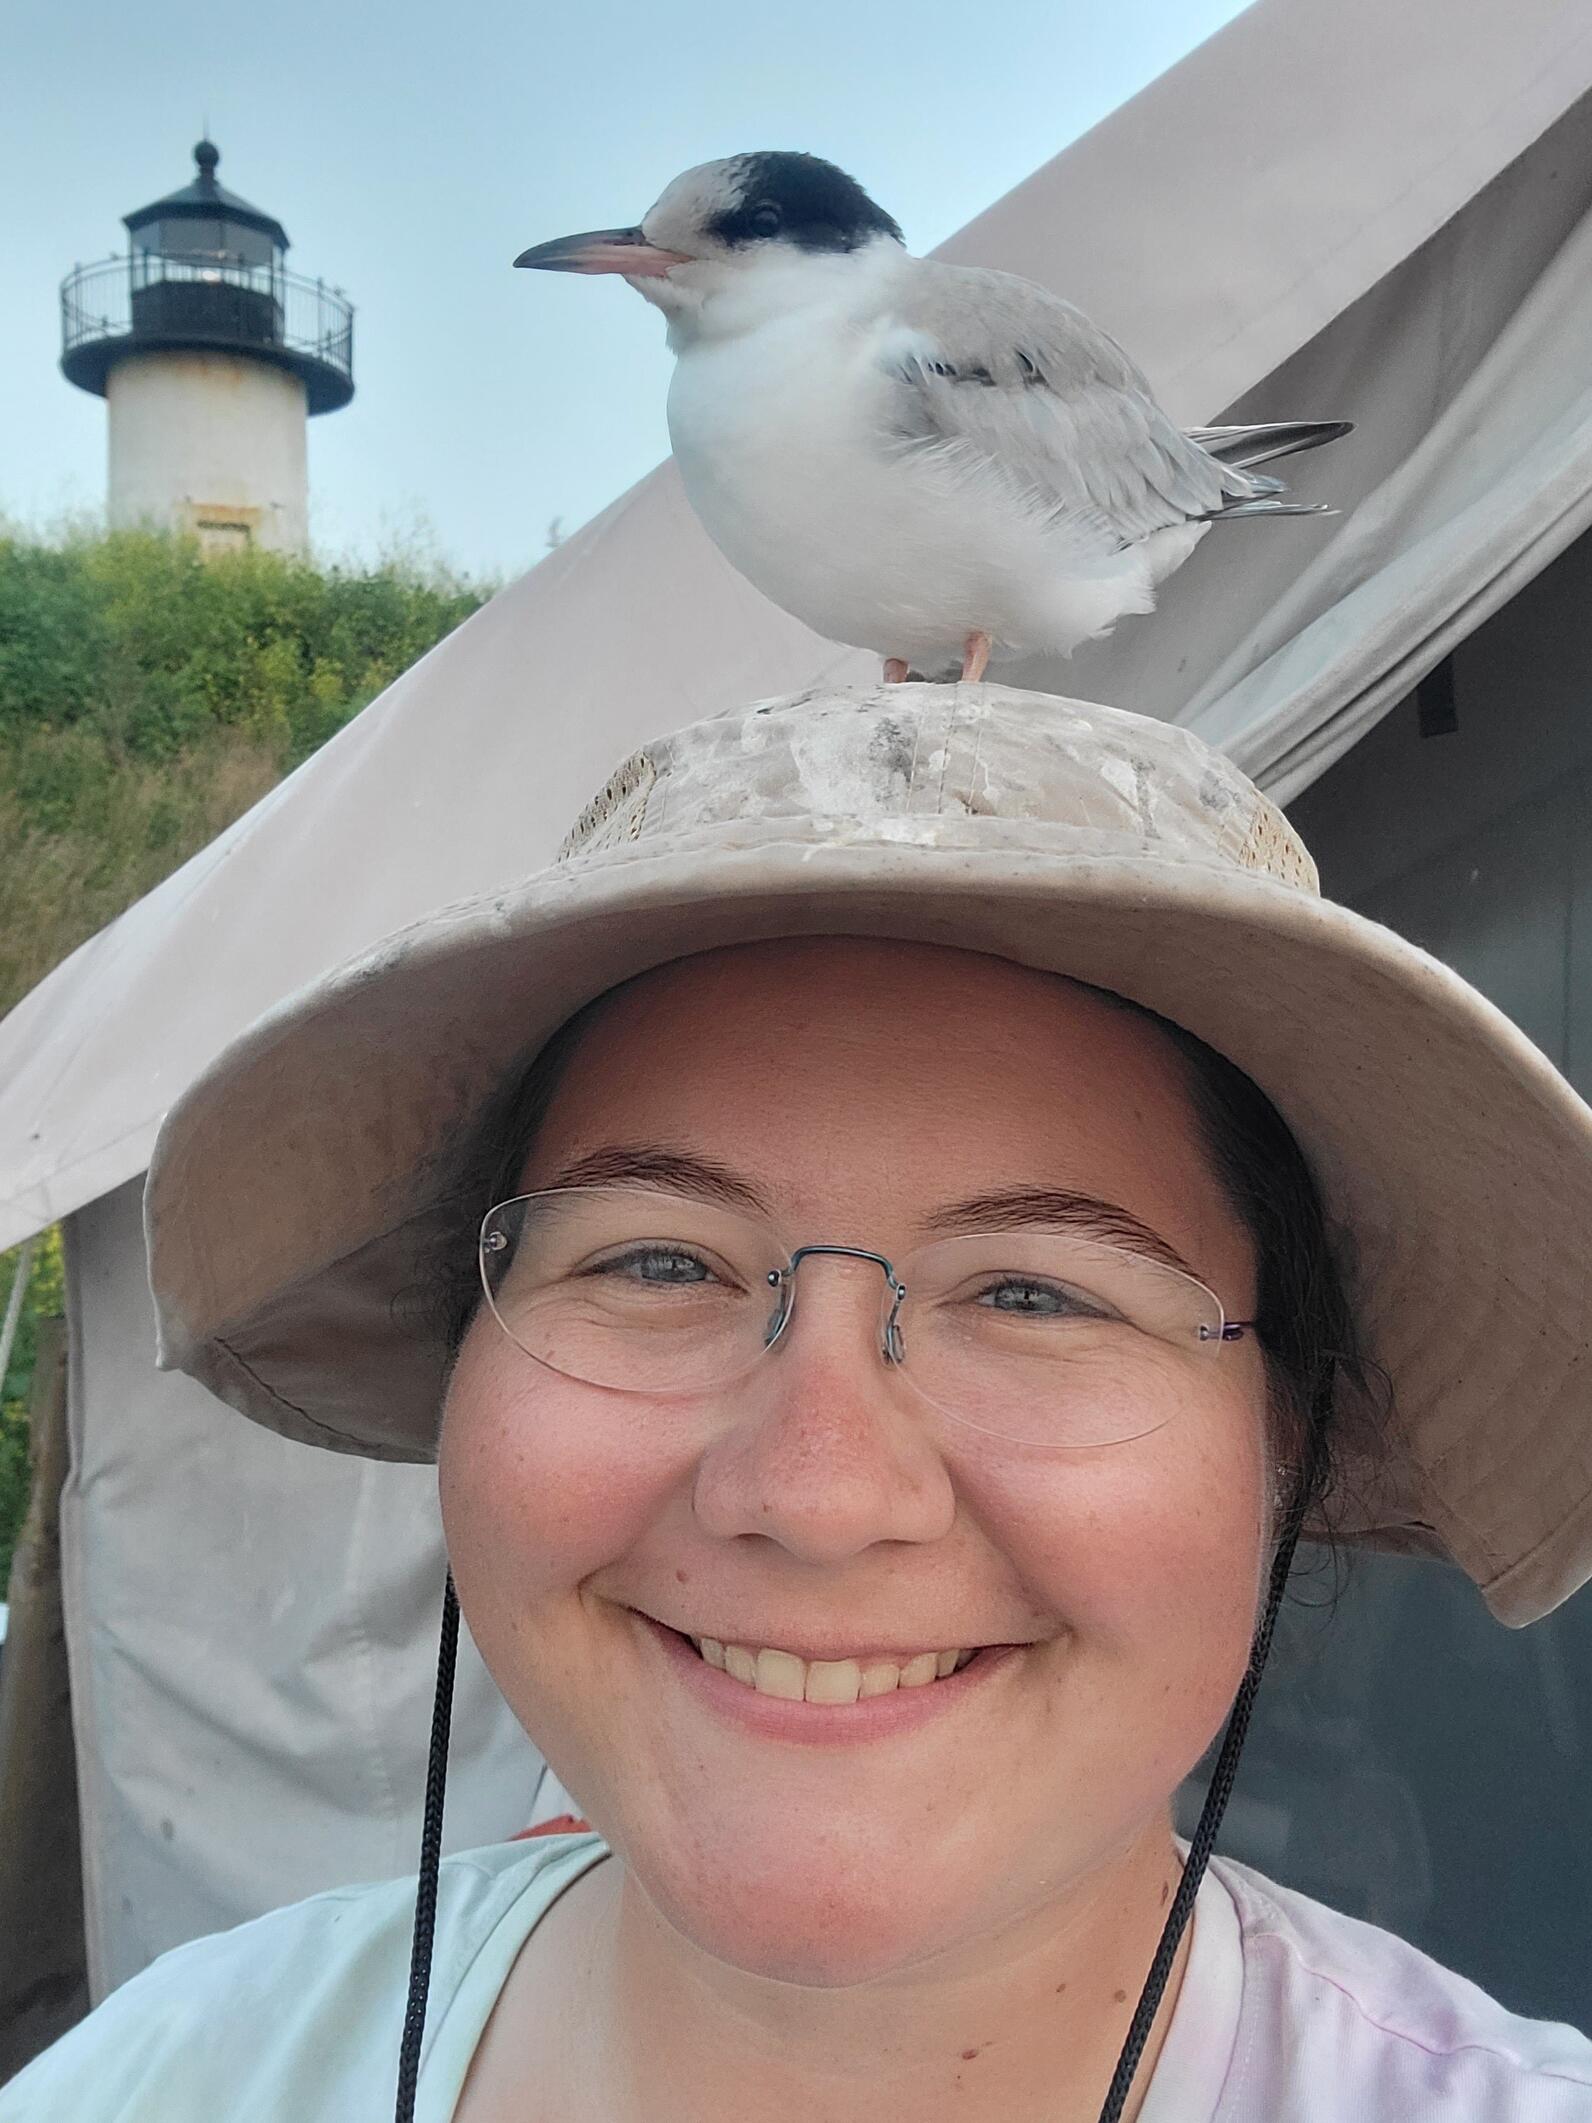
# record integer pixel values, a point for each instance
(892, 1346)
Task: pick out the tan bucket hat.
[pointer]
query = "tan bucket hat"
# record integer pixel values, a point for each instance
(297, 1189)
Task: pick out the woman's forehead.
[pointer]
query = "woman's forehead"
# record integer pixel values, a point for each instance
(915, 1014)
(813, 1064)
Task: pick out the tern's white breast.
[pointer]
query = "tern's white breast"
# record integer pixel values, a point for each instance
(786, 438)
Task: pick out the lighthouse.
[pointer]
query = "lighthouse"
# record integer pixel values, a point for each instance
(210, 356)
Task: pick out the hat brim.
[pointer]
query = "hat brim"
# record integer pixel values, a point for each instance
(298, 1187)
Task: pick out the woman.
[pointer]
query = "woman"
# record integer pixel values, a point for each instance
(950, 1204)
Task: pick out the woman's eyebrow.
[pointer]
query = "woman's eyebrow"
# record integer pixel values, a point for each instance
(648, 1165)
(1012, 1209)
(1055, 1209)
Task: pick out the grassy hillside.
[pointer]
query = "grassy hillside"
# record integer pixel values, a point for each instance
(147, 698)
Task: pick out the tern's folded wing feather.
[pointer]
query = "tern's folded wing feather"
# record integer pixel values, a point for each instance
(987, 363)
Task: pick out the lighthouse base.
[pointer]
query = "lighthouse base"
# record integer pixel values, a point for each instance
(209, 443)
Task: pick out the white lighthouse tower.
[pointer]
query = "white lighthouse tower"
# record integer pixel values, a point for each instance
(211, 357)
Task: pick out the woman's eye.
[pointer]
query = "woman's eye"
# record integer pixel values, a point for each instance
(1020, 1296)
(656, 1264)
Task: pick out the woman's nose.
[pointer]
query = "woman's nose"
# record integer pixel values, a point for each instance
(823, 1448)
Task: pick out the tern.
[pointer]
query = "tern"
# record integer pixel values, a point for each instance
(941, 463)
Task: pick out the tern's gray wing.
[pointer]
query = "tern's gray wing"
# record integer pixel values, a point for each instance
(989, 366)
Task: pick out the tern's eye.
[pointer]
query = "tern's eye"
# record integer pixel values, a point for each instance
(765, 220)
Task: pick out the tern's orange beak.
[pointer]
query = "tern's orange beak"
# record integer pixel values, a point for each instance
(624, 251)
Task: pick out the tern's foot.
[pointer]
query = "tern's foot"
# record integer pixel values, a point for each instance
(975, 658)
(895, 670)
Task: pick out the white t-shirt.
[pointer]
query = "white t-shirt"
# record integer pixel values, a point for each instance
(1288, 2013)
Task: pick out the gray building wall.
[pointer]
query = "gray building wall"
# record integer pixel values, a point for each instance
(1412, 1761)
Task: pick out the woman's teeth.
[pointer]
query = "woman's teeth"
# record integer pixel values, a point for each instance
(797, 1680)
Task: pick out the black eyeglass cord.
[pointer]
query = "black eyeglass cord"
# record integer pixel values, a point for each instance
(1199, 1853)
(1204, 1838)
(430, 1858)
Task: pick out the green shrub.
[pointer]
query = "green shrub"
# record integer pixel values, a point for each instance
(149, 694)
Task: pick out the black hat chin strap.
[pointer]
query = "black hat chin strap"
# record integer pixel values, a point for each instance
(1204, 1837)
(1177, 1916)
(430, 1859)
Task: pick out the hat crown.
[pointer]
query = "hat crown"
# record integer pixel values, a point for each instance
(943, 766)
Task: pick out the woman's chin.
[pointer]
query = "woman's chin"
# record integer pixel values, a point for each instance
(796, 1915)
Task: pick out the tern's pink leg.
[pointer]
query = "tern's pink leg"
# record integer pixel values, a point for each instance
(975, 658)
(895, 670)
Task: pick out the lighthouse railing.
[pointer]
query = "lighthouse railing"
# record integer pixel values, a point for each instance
(202, 299)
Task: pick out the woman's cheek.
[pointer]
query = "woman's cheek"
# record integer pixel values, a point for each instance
(542, 1481)
(1139, 1550)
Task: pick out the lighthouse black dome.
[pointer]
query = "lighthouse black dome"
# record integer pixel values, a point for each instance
(205, 201)
(205, 272)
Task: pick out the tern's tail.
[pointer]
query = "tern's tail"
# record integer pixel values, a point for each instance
(1245, 447)
(1239, 449)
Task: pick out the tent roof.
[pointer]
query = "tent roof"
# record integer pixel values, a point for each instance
(1260, 223)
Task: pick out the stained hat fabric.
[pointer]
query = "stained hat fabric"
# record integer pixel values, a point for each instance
(300, 1189)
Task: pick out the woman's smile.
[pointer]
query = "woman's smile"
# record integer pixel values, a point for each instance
(778, 1695)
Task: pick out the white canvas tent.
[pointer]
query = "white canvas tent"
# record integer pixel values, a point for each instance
(1333, 208)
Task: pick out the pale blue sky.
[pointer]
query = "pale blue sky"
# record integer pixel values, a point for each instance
(412, 150)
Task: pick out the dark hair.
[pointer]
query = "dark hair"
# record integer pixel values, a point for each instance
(1327, 1397)
(1323, 1390)
(486, 1166)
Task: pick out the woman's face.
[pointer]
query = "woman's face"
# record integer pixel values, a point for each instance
(820, 1507)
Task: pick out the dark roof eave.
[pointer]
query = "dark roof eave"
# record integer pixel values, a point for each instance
(200, 201)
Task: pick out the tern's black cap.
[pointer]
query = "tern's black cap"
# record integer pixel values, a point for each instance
(803, 200)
